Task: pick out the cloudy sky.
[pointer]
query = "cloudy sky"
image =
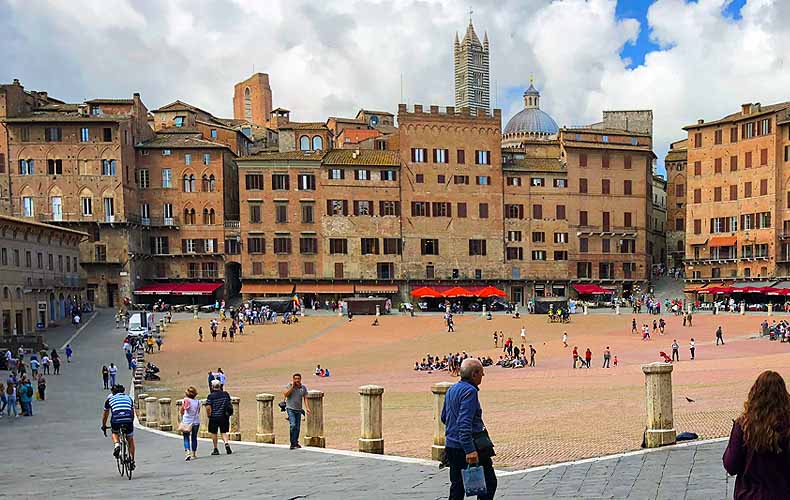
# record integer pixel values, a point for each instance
(683, 59)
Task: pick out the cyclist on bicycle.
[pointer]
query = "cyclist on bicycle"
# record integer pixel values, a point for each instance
(121, 406)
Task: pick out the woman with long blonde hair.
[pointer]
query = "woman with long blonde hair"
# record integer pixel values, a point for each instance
(759, 448)
(190, 422)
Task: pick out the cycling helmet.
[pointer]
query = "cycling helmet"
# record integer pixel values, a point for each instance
(118, 389)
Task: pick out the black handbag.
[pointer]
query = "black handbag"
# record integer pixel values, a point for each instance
(281, 404)
(483, 441)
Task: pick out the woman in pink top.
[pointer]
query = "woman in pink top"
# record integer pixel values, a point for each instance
(190, 422)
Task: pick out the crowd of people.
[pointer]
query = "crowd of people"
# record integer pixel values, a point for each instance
(776, 330)
(20, 387)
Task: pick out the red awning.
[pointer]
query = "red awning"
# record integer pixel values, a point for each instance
(592, 290)
(156, 289)
(718, 290)
(457, 291)
(196, 288)
(723, 241)
(425, 291)
(490, 291)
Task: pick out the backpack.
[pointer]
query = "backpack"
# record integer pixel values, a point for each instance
(29, 391)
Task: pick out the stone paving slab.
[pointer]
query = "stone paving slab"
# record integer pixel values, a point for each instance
(61, 452)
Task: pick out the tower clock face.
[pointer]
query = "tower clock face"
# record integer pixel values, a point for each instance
(374, 120)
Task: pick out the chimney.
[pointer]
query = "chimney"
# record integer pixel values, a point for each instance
(355, 153)
(83, 109)
(700, 121)
(746, 108)
(16, 81)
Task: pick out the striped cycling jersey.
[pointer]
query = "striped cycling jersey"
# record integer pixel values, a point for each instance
(122, 408)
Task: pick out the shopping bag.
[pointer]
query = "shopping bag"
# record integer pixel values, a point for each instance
(474, 480)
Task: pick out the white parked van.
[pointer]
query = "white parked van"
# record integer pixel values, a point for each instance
(138, 323)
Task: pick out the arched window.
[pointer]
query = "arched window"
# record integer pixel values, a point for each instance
(208, 216)
(189, 216)
(204, 184)
(248, 104)
(186, 184)
(304, 143)
(18, 293)
(318, 143)
(680, 246)
(6, 293)
(212, 183)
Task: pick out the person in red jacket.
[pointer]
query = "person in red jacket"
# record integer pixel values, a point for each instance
(587, 357)
(575, 356)
(759, 448)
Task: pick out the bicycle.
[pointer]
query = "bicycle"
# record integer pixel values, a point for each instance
(123, 460)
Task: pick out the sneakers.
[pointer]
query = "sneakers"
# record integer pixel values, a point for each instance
(187, 456)
(295, 446)
(117, 451)
(227, 449)
(131, 465)
(215, 452)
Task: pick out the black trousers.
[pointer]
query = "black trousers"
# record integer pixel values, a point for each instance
(457, 460)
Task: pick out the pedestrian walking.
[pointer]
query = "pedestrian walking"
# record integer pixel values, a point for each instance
(26, 397)
(532, 353)
(210, 379)
(675, 350)
(466, 439)
(113, 372)
(587, 357)
(42, 387)
(615, 361)
(158, 343)
(220, 375)
(450, 324)
(607, 355)
(633, 326)
(34, 365)
(200, 334)
(224, 333)
(45, 364)
(190, 422)
(758, 452)
(69, 353)
(692, 347)
(219, 409)
(55, 362)
(296, 405)
(565, 339)
(496, 337)
(232, 333)
(523, 334)
(105, 375)
(719, 336)
(3, 400)
(575, 356)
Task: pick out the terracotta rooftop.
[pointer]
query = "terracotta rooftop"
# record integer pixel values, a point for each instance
(355, 136)
(738, 116)
(179, 141)
(609, 131)
(304, 126)
(362, 157)
(110, 101)
(373, 112)
(22, 220)
(606, 145)
(64, 116)
(673, 155)
(534, 165)
(285, 156)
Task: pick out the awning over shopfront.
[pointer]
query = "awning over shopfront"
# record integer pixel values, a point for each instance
(723, 241)
(325, 288)
(452, 291)
(374, 289)
(491, 291)
(425, 292)
(189, 288)
(592, 289)
(457, 291)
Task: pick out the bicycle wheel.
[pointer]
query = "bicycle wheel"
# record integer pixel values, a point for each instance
(119, 458)
(127, 458)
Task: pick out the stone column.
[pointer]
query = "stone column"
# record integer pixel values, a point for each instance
(378, 310)
(151, 412)
(158, 330)
(138, 388)
(203, 432)
(743, 307)
(265, 428)
(141, 407)
(439, 390)
(235, 422)
(770, 308)
(617, 309)
(483, 311)
(314, 434)
(584, 306)
(179, 404)
(370, 439)
(165, 415)
(658, 392)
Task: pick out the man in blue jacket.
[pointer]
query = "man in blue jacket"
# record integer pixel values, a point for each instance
(466, 438)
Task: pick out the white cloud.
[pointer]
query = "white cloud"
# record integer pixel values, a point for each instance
(331, 58)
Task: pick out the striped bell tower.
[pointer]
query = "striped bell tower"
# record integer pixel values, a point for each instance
(472, 88)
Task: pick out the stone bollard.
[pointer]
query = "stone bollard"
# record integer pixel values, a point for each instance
(371, 440)
(483, 311)
(141, 407)
(265, 428)
(203, 431)
(314, 435)
(151, 417)
(584, 306)
(138, 389)
(179, 404)
(235, 422)
(158, 330)
(378, 310)
(439, 390)
(165, 415)
(658, 392)
(770, 308)
(617, 309)
(743, 307)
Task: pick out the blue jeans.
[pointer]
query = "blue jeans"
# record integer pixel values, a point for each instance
(11, 405)
(295, 421)
(27, 408)
(194, 436)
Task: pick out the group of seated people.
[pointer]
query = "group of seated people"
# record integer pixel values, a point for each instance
(559, 316)
(508, 361)
(777, 331)
(451, 362)
(321, 372)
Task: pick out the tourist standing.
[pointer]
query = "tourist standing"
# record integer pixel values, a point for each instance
(200, 334)
(69, 353)
(105, 376)
(296, 405)
(496, 337)
(466, 438)
(607, 355)
(10, 392)
(692, 347)
(219, 410)
(532, 353)
(587, 357)
(190, 422)
(112, 371)
(55, 362)
(42, 387)
(3, 400)
(565, 339)
(575, 356)
(26, 397)
(220, 375)
(758, 452)
(719, 336)
(675, 350)
(523, 334)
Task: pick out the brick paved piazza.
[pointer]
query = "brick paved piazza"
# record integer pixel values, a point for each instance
(536, 416)
(60, 451)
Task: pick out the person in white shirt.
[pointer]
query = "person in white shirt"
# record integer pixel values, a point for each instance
(523, 334)
(691, 347)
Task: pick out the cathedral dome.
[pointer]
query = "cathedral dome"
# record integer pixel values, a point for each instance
(531, 121)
